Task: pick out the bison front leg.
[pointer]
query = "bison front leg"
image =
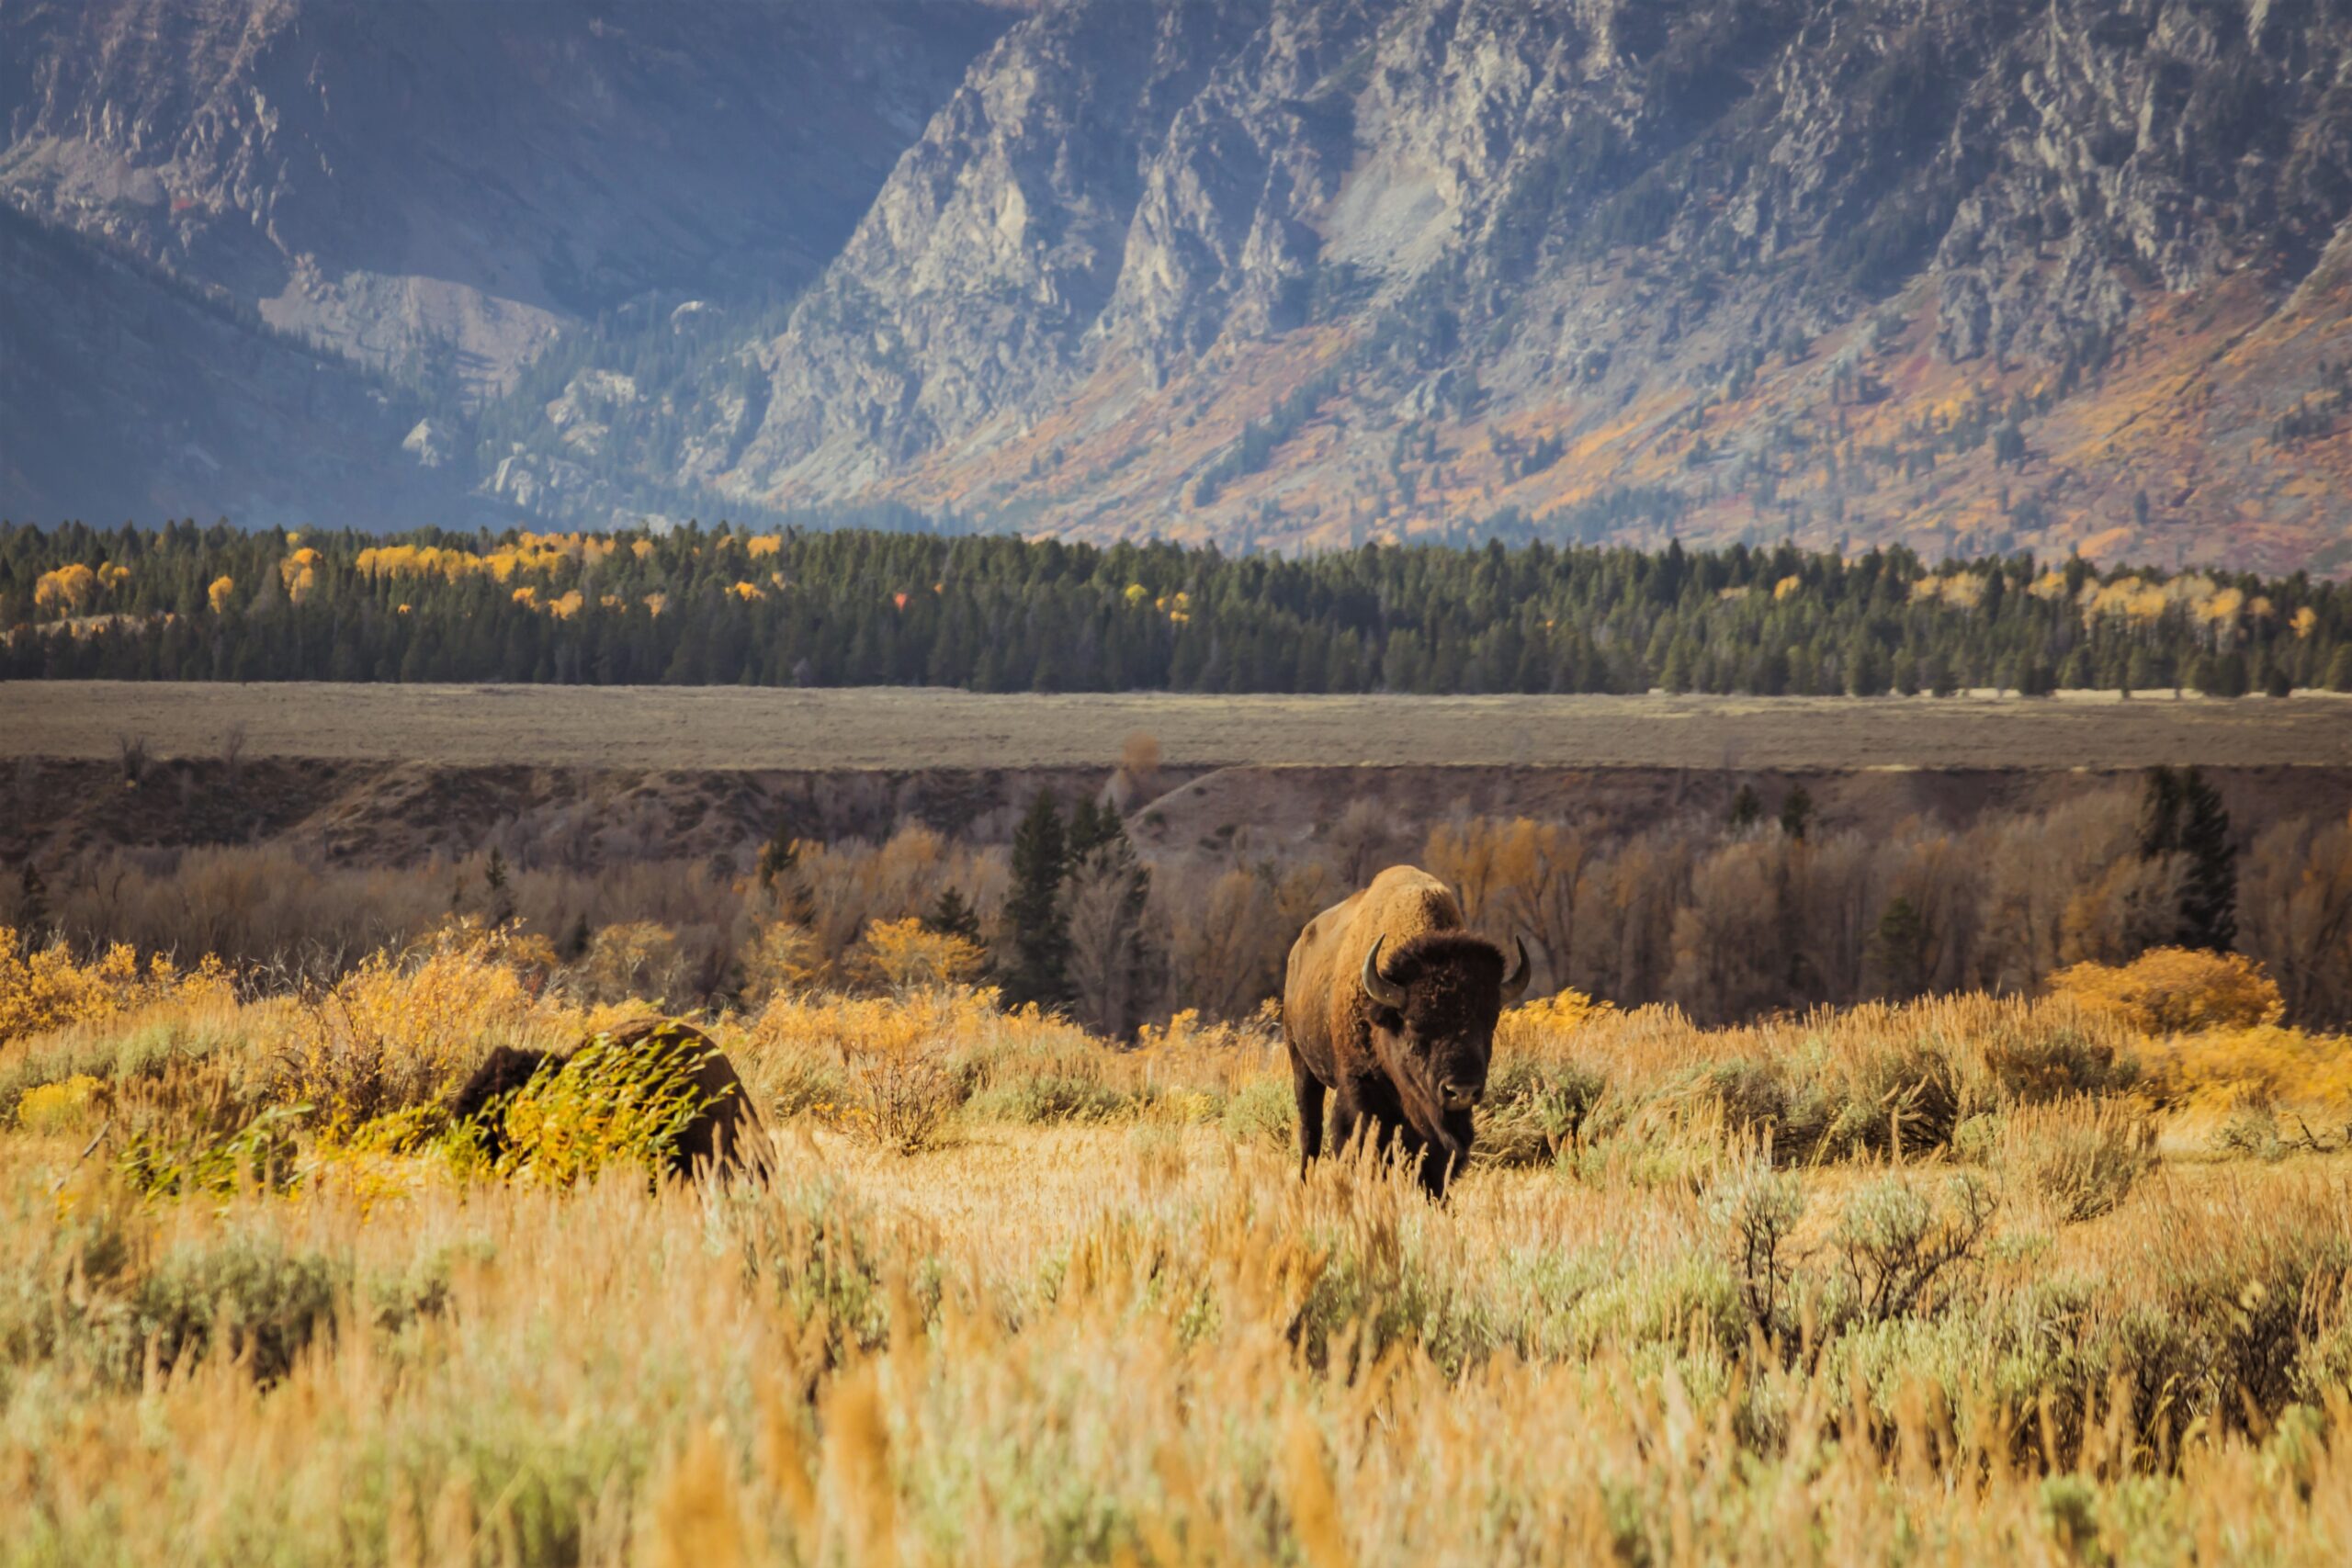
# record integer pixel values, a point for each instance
(1349, 1121)
(1308, 1090)
(1439, 1163)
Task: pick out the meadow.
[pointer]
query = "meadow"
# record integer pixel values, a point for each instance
(2061, 1279)
(754, 727)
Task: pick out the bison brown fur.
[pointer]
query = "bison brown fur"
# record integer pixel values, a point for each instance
(724, 1137)
(503, 1073)
(1390, 1006)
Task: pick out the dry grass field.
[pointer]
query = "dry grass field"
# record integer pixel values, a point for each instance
(706, 727)
(2053, 1278)
(2049, 1281)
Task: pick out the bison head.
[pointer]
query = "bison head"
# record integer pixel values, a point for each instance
(1434, 1004)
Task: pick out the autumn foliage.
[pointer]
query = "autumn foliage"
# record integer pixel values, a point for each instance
(48, 988)
(2174, 990)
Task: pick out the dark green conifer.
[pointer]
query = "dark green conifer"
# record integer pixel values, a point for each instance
(1036, 927)
(1796, 812)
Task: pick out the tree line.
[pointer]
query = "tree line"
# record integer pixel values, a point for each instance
(1747, 905)
(811, 608)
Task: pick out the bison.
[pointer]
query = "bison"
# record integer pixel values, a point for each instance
(1391, 1005)
(723, 1138)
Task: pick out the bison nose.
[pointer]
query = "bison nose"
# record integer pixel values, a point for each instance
(1463, 1096)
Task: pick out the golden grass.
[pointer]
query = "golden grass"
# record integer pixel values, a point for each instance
(1100, 1317)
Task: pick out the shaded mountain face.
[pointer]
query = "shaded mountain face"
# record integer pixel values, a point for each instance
(461, 178)
(1295, 273)
(128, 396)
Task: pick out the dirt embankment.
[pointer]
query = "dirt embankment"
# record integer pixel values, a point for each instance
(404, 813)
(363, 813)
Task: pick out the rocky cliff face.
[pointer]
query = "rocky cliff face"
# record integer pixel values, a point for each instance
(1382, 265)
(2047, 273)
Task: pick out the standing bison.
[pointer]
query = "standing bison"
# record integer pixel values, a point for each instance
(1391, 1005)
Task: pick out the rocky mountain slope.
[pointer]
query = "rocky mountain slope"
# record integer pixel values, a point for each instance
(1981, 274)
(2007, 272)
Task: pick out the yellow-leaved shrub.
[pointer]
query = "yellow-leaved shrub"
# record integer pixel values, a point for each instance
(51, 989)
(2260, 1068)
(2176, 991)
(1540, 1024)
(405, 1028)
(906, 955)
(60, 1107)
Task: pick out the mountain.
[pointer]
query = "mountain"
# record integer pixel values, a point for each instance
(440, 191)
(130, 395)
(1972, 274)
(1284, 273)
(466, 178)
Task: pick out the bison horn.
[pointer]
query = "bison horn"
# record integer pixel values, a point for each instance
(1379, 987)
(1515, 983)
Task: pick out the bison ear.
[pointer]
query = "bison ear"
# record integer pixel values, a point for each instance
(1379, 987)
(1515, 983)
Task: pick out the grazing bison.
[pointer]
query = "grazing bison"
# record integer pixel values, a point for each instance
(724, 1137)
(1391, 1005)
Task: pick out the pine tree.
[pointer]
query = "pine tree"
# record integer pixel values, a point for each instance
(1796, 813)
(1746, 808)
(1940, 680)
(952, 915)
(2339, 670)
(1676, 675)
(2180, 814)
(1899, 950)
(1092, 824)
(2209, 903)
(1865, 671)
(1037, 926)
(1906, 671)
(2160, 814)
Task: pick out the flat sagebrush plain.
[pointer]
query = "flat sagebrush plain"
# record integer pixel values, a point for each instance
(2042, 1281)
(700, 727)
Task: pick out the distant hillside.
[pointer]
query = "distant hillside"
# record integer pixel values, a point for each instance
(1972, 277)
